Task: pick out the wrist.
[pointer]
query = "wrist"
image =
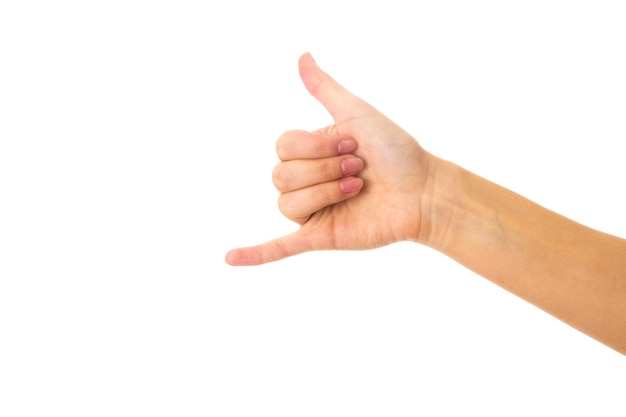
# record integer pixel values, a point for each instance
(440, 202)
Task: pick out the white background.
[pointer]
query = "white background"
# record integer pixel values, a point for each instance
(136, 148)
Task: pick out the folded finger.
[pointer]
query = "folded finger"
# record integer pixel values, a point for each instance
(300, 204)
(298, 144)
(294, 175)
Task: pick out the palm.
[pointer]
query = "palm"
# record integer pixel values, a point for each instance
(381, 213)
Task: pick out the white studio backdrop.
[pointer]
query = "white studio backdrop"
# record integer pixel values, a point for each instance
(136, 148)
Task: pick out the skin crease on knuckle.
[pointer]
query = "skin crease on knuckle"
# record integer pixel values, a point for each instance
(330, 169)
(325, 147)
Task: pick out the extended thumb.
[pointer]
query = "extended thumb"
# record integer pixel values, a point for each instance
(326, 90)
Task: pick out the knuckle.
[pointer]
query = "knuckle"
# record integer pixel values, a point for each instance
(329, 194)
(285, 145)
(280, 178)
(320, 147)
(288, 206)
(323, 196)
(281, 147)
(328, 171)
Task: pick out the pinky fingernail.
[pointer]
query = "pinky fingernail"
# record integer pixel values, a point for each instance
(349, 185)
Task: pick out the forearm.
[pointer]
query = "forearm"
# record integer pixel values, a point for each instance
(571, 271)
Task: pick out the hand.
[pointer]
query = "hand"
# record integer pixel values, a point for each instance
(319, 189)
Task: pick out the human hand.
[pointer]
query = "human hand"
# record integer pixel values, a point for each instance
(319, 189)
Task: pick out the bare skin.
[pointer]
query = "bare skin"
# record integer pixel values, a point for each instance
(364, 183)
